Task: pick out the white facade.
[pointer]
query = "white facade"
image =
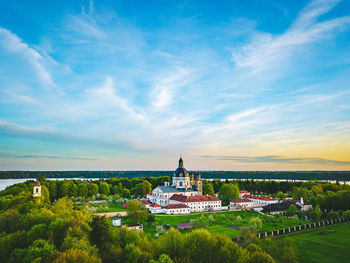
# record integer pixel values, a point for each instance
(241, 204)
(174, 209)
(162, 194)
(182, 184)
(116, 222)
(198, 203)
(37, 189)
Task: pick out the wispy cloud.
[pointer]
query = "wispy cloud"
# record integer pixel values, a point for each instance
(166, 85)
(268, 51)
(277, 159)
(13, 44)
(33, 156)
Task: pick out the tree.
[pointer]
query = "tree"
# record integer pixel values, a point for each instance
(92, 189)
(100, 232)
(208, 188)
(163, 258)
(291, 210)
(136, 211)
(142, 189)
(255, 223)
(260, 257)
(104, 188)
(228, 192)
(76, 256)
(38, 251)
(316, 213)
(125, 193)
(281, 195)
(83, 189)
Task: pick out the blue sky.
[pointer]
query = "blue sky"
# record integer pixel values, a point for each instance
(129, 85)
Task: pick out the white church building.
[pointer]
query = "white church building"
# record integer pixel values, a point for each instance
(183, 184)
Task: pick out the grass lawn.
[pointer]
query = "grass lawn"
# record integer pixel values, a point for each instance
(319, 245)
(219, 223)
(103, 207)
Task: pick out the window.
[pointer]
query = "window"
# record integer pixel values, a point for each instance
(37, 190)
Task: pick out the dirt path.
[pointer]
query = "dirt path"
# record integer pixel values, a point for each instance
(112, 214)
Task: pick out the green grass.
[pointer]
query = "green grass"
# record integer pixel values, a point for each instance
(222, 221)
(319, 245)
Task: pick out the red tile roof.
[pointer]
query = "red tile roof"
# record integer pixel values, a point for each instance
(146, 202)
(243, 192)
(241, 200)
(264, 198)
(154, 205)
(175, 206)
(195, 198)
(150, 193)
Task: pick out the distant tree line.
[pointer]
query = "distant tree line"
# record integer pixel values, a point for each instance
(287, 175)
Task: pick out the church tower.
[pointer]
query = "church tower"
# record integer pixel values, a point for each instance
(198, 184)
(181, 179)
(37, 188)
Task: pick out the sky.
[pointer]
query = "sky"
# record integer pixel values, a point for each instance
(132, 85)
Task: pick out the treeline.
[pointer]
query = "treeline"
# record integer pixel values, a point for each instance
(56, 189)
(33, 230)
(285, 175)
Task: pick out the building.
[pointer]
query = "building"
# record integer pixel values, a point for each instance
(183, 184)
(37, 189)
(242, 203)
(259, 200)
(177, 209)
(197, 203)
(301, 204)
(243, 192)
(137, 227)
(116, 222)
(155, 208)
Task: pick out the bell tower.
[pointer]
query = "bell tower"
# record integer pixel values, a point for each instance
(37, 188)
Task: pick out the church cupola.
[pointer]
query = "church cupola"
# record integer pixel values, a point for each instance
(181, 162)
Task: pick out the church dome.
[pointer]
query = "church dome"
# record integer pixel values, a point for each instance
(181, 171)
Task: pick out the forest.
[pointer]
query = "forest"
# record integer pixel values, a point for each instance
(51, 228)
(285, 175)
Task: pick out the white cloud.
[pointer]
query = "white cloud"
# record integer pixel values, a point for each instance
(268, 51)
(165, 86)
(13, 44)
(106, 94)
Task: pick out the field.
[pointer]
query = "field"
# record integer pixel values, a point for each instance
(103, 207)
(322, 246)
(228, 223)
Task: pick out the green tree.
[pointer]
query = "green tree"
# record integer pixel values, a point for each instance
(255, 223)
(137, 212)
(37, 232)
(76, 256)
(281, 195)
(228, 192)
(39, 250)
(83, 189)
(208, 188)
(92, 189)
(104, 188)
(163, 258)
(142, 189)
(260, 257)
(100, 231)
(316, 213)
(291, 210)
(125, 193)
